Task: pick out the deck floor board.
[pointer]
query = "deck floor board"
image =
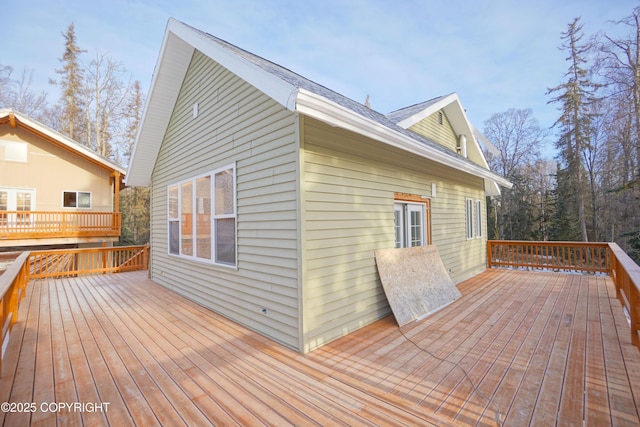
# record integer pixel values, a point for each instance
(519, 348)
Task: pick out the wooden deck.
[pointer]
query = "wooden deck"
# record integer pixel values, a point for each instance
(519, 348)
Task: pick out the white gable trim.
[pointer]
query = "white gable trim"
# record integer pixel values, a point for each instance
(178, 46)
(174, 59)
(457, 117)
(277, 89)
(318, 107)
(429, 110)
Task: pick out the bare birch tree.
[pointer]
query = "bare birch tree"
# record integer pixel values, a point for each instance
(104, 95)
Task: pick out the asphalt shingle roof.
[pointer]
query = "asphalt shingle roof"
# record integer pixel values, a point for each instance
(301, 82)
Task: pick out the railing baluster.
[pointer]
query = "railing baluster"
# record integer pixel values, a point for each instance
(35, 224)
(579, 257)
(72, 262)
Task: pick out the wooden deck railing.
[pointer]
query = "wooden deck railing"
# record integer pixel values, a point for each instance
(77, 262)
(626, 275)
(12, 286)
(554, 256)
(60, 263)
(39, 224)
(586, 257)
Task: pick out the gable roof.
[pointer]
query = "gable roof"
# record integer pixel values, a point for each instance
(289, 89)
(452, 107)
(16, 119)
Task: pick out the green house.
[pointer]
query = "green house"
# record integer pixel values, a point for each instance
(270, 193)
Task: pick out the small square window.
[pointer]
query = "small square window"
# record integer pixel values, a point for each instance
(76, 199)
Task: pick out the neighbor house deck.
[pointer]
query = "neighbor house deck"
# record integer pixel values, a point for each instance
(521, 348)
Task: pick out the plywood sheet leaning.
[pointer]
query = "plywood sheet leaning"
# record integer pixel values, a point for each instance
(415, 281)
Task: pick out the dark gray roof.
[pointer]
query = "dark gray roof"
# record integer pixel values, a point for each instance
(404, 113)
(301, 82)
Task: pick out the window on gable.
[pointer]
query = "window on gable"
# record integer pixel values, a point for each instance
(13, 151)
(202, 217)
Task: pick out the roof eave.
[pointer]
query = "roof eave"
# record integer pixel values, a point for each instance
(56, 138)
(432, 108)
(318, 107)
(179, 43)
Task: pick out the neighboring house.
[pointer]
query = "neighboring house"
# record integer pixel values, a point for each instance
(54, 191)
(270, 193)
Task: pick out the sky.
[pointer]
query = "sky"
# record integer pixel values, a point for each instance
(495, 55)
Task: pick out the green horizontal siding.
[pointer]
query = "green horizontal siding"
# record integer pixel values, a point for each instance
(236, 123)
(347, 202)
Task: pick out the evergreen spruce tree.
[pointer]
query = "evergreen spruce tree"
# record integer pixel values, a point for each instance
(575, 96)
(564, 220)
(134, 202)
(71, 84)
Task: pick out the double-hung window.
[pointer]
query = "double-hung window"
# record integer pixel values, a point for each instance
(469, 218)
(478, 218)
(411, 222)
(473, 216)
(202, 217)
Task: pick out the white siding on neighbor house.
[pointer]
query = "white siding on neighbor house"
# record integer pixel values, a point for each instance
(235, 123)
(348, 212)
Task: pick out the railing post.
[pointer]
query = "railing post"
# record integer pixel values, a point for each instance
(634, 314)
(104, 258)
(489, 255)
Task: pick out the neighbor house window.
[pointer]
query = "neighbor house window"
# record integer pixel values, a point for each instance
(13, 151)
(469, 218)
(17, 205)
(411, 220)
(202, 217)
(478, 218)
(4, 206)
(76, 199)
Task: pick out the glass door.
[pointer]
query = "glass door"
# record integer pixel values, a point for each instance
(16, 206)
(410, 224)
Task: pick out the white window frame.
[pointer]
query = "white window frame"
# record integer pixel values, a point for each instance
(402, 211)
(77, 193)
(20, 216)
(469, 218)
(177, 250)
(14, 151)
(478, 221)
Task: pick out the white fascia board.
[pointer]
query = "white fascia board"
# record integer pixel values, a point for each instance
(318, 107)
(276, 88)
(441, 103)
(171, 67)
(488, 144)
(176, 52)
(491, 188)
